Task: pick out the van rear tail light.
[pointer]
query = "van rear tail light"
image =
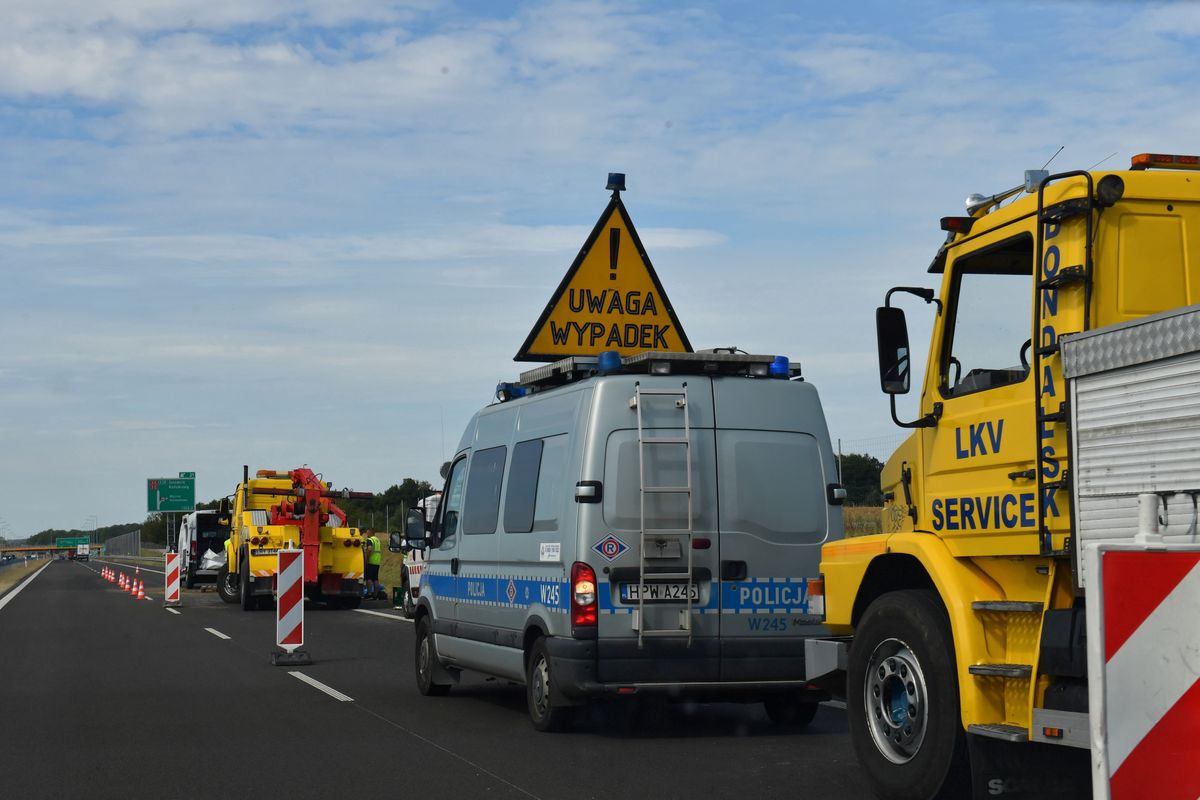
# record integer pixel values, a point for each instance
(816, 596)
(584, 599)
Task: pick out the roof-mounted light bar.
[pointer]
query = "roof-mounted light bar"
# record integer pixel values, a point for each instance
(1163, 161)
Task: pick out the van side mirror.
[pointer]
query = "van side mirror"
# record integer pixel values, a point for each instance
(891, 331)
(414, 529)
(395, 542)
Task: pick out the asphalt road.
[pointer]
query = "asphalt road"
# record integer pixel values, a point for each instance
(104, 696)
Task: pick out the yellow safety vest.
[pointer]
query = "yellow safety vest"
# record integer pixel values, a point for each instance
(376, 556)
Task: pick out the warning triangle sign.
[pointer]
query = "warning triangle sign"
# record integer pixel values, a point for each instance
(610, 299)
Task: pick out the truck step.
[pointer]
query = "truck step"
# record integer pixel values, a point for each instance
(1002, 670)
(1007, 605)
(1009, 733)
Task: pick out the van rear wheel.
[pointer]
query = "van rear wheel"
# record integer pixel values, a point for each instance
(790, 710)
(426, 662)
(545, 715)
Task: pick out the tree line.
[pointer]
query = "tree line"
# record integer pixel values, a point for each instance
(384, 511)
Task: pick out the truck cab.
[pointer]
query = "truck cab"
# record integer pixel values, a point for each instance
(972, 586)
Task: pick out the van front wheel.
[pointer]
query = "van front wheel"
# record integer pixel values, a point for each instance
(426, 662)
(538, 679)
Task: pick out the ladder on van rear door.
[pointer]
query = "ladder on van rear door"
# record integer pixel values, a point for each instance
(661, 537)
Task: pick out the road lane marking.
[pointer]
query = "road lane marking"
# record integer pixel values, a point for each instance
(384, 614)
(17, 590)
(316, 684)
(215, 632)
(838, 704)
(173, 611)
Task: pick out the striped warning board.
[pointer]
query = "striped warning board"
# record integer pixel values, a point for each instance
(171, 579)
(289, 611)
(1148, 665)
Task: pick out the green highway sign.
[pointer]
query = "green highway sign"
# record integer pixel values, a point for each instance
(190, 475)
(71, 541)
(171, 494)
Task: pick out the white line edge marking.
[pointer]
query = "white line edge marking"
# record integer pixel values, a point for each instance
(17, 589)
(217, 633)
(316, 684)
(384, 614)
(838, 704)
(142, 567)
(173, 611)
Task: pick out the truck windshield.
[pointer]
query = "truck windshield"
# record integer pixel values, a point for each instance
(989, 320)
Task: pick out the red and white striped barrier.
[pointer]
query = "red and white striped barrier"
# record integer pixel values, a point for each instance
(1144, 668)
(289, 610)
(171, 579)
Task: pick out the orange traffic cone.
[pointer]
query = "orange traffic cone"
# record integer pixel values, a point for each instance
(136, 570)
(141, 595)
(121, 583)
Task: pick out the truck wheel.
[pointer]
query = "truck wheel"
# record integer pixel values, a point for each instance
(790, 710)
(426, 661)
(248, 601)
(227, 586)
(407, 606)
(542, 712)
(902, 700)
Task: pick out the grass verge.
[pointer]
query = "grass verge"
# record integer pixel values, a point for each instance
(11, 576)
(863, 520)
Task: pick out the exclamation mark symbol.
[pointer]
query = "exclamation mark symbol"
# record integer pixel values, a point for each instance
(614, 245)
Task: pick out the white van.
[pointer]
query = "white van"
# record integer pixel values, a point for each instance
(619, 526)
(414, 558)
(201, 535)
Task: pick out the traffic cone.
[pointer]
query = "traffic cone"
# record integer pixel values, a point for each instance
(141, 590)
(121, 583)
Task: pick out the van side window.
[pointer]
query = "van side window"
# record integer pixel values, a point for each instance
(989, 319)
(481, 507)
(522, 486)
(533, 494)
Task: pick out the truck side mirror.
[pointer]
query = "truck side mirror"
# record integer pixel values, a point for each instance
(223, 507)
(395, 542)
(414, 529)
(891, 330)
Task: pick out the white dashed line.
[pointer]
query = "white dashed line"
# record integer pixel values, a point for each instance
(215, 632)
(173, 611)
(384, 614)
(316, 684)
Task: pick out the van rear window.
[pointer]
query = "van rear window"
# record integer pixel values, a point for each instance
(772, 486)
(481, 507)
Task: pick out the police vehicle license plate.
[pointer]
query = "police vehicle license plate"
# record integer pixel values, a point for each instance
(650, 592)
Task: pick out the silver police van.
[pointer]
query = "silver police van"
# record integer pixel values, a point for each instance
(620, 526)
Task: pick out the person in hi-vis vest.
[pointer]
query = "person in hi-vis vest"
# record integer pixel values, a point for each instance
(373, 556)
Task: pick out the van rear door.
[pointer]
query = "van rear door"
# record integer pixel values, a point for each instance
(773, 466)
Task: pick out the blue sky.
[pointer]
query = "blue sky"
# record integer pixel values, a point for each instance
(278, 233)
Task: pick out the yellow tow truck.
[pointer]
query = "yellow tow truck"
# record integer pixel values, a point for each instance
(966, 673)
(275, 510)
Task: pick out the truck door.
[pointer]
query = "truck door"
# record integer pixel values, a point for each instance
(773, 518)
(979, 479)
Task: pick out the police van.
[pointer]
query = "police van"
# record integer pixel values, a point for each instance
(621, 526)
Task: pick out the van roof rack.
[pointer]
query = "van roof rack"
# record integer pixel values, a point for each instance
(723, 361)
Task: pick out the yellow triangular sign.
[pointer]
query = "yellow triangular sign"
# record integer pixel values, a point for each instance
(610, 299)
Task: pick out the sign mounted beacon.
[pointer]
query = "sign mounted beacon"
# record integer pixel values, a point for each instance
(609, 300)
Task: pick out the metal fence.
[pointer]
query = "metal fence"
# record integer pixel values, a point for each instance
(127, 544)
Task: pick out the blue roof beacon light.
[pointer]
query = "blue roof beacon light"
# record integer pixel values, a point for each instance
(608, 361)
(780, 367)
(506, 391)
(616, 182)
